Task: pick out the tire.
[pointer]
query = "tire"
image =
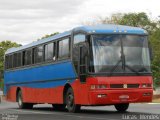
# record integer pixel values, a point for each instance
(70, 102)
(21, 104)
(59, 107)
(122, 107)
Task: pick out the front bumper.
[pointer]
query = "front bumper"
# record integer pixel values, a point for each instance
(106, 97)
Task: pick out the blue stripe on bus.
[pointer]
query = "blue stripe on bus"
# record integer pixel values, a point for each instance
(50, 84)
(42, 73)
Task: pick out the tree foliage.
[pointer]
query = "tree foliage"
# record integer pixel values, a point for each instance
(140, 20)
(48, 35)
(155, 41)
(4, 45)
(131, 19)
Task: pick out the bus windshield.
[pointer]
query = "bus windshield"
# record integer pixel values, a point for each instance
(108, 51)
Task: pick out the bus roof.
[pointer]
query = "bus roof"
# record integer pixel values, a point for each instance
(95, 29)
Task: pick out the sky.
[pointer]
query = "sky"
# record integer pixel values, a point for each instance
(24, 21)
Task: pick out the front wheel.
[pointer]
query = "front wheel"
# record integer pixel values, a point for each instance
(70, 102)
(122, 107)
(21, 104)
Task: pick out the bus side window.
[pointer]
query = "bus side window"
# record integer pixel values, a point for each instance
(63, 49)
(79, 38)
(6, 62)
(14, 60)
(19, 59)
(10, 61)
(38, 52)
(49, 52)
(27, 57)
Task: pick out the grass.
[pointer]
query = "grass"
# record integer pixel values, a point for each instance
(156, 100)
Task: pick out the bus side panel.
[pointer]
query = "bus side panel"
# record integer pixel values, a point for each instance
(11, 94)
(43, 84)
(37, 95)
(80, 92)
(45, 95)
(50, 95)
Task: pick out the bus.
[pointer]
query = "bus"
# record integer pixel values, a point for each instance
(96, 65)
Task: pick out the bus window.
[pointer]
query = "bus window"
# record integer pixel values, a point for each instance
(63, 49)
(10, 61)
(49, 48)
(7, 62)
(27, 57)
(15, 60)
(79, 38)
(38, 52)
(19, 59)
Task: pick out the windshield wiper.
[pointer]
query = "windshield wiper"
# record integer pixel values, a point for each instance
(133, 70)
(143, 69)
(124, 65)
(114, 67)
(122, 59)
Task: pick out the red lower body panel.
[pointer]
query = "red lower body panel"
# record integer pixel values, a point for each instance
(37, 95)
(114, 96)
(50, 95)
(85, 96)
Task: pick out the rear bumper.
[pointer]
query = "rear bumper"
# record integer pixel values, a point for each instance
(120, 96)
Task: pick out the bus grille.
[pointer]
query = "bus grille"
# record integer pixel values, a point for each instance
(126, 86)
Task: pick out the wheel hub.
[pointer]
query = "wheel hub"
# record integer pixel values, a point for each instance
(70, 100)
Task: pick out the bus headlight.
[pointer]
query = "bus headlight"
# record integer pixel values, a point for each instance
(102, 86)
(146, 85)
(93, 87)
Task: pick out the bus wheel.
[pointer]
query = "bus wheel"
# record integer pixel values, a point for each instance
(71, 106)
(122, 107)
(21, 104)
(59, 107)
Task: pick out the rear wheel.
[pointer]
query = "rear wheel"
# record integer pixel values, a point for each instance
(70, 102)
(59, 107)
(122, 107)
(21, 104)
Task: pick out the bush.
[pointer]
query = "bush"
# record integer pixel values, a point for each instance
(1, 84)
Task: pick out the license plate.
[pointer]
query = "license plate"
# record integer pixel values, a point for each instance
(124, 97)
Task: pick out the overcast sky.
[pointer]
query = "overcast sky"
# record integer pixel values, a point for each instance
(24, 21)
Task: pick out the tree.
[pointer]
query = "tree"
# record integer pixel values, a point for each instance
(4, 45)
(131, 19)
(46, 36)
(155, 41)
